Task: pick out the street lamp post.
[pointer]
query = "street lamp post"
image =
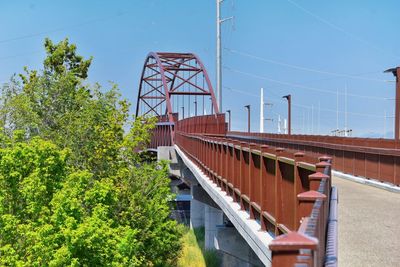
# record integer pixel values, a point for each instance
(248, 117)
(229, 120)
(289, 99)
(183, 112)
(396, 73)
(195, 108)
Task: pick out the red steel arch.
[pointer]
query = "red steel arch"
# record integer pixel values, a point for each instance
(174, 83)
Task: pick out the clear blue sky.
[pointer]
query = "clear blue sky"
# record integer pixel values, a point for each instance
(310, 49)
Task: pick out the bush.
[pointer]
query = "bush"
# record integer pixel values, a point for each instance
(73, 191)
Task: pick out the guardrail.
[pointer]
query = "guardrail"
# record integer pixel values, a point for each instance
(206, 124)
(280, 188)
(162, 135)
(365, 157)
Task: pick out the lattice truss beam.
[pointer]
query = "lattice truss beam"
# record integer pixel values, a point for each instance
(174, 83)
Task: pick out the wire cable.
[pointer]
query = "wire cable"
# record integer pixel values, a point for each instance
(298, 85)
(340, 29)
(304, 106)
(21, 55)
(62, 28)
(302, 68)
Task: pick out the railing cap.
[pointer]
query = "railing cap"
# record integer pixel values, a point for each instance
(253, 145)
(293, 241)
(318, 176)
(311, 195)
(299, 154)
(324, 158)
(323, 164)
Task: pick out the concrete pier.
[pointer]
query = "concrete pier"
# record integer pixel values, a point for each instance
(213, 218)
(197, 211)
(228, 229)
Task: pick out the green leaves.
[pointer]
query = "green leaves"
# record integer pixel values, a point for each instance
(73, 189)
(59, 216)
(62, 58)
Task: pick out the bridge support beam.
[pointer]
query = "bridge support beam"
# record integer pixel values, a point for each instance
(214, 218)
(197, 212)
(216, 215)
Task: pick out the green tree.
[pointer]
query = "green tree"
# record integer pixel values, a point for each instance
(73, 189)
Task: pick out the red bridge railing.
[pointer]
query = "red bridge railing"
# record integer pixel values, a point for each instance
(162, 135)
(207, 124)
(287, 191)
(164, 132)
(364, 157)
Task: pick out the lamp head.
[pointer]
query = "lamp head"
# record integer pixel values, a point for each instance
(392, 70)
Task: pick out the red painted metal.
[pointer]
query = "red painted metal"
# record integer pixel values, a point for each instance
(366, 157)
(284, 185)
(171, 79)
(397, 115)
(270, 184)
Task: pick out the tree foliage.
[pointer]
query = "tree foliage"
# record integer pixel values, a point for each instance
(73, 191)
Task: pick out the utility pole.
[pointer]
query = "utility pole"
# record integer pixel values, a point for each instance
(312, 119)
(396, 73)
(285, 126)
(262, 110)
(262, 117)
(229, 120)
(279, 124)
(248, 117)
(219, 53)
(345, 110)
(337, 110)
(319, 117)
(384, 123)
(289, 99)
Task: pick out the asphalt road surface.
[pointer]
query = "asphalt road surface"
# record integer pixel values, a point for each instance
(369, 225)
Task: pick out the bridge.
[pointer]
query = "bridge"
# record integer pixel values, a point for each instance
(274, 189)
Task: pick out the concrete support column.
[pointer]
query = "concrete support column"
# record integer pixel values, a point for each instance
(197, 210)
(213, 217)
(235, 250)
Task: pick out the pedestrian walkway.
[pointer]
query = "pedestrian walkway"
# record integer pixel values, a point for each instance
(369, 225)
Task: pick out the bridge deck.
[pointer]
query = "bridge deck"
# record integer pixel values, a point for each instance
(369, 224)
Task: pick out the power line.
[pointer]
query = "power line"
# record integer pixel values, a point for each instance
(302, 68)
(298, 85)
(62, 28)
(304, 106)
(307, 107)
(334, 110)
(340, 29)
(252, 95)
(21, 55)
(240, 91)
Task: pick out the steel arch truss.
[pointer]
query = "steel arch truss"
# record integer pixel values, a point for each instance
(174, 83)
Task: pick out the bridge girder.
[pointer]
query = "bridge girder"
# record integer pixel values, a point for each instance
(171, 82)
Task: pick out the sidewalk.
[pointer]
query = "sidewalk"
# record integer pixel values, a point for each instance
(369, 225)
